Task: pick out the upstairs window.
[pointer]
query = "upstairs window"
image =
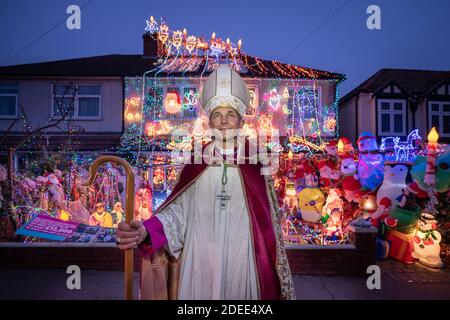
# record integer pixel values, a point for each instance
(391, 117)
(8, 101)
(77, 101)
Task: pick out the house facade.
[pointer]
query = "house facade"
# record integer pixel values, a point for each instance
(101, 98)
(394, 102)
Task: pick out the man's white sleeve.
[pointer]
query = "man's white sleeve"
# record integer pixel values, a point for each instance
(173, 219)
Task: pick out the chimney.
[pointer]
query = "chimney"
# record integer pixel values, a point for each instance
(153, 48)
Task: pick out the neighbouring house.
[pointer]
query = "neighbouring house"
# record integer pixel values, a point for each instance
(107, 96)
(393, 102)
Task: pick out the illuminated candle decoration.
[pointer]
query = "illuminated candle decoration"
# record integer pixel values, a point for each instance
(163, 34)
(430, 172)
(172, 102)
(177, 39)
(290, 189)
(191, 42)
(340, 148)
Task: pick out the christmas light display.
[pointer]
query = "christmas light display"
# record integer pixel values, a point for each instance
(402, 150)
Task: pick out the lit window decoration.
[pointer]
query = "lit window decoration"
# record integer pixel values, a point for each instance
(253, 103)
(132, 113)
(310, 126)
(190, 99)
(191, 42)
(172, 174)
(158, 176)
(177, 39)
(150, 129)
(165, 128)
(152, 25)
(172, 102)
(265, 122)
(159, 160)
(403, 150)
(303, 141)
(329, 123)
(275, 147)
(273, 98)
(217, 48)
(233, 51)
(200, 125)
(296, 148)
(286, 110)
(286, 93)
(163, 34)
(248, 130)
(306, 98)
(183, 144)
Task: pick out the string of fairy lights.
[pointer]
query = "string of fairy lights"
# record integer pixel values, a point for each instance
(284, 97)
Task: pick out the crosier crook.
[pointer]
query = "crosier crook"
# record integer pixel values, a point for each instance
(129, 205)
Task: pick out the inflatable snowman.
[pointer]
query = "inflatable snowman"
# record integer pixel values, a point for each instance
(370, 163)
(426, 242)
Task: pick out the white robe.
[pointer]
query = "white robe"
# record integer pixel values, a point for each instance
(217, 252)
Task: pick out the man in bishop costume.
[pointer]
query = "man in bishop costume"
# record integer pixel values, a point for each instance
(218, 234)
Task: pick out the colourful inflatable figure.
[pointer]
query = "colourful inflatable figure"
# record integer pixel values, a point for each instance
(394, 182)
(370, 163)
(350, 179)
(311, 198)
(442, 171)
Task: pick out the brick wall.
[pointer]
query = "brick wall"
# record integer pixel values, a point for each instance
(313, 260)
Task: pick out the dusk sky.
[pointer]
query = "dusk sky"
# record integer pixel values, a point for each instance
(325, 34)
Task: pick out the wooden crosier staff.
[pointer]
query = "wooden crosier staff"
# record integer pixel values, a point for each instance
(129, 205)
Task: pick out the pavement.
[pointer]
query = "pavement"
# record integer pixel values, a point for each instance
(397, 281)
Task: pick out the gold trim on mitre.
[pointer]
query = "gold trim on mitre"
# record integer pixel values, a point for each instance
(225, 87)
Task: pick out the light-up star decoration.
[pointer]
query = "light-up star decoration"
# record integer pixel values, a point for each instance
(152, 25)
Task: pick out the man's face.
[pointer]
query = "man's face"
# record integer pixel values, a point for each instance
(225, 119)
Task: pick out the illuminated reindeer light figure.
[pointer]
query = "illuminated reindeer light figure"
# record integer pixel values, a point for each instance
(129, 205)
(403, 149)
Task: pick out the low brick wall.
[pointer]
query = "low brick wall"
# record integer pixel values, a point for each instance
(62, 255)
(306, 259)
(348, 259)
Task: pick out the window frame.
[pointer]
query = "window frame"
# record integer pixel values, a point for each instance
(320, 117)
(391, 113)
(16, 95)
(181, 88)
(441, 113)
(76, 101)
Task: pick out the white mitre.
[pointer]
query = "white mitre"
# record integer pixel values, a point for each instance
(225, 87)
